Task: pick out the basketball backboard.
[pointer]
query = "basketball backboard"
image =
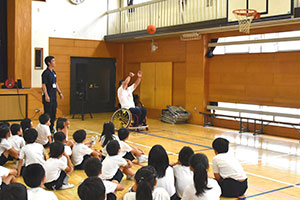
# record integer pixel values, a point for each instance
(267, 8)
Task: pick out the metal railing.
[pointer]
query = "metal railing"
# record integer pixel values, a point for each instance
(163, 13)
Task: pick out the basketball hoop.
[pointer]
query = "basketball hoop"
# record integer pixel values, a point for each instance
(245, 17)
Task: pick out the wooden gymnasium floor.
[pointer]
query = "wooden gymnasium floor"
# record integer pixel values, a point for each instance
(272, 164)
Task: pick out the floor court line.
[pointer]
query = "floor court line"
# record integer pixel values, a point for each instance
(270, 191)
(274, 194)
(263, 177)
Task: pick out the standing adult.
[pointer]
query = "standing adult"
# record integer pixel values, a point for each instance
(126, 98)
(50, 88)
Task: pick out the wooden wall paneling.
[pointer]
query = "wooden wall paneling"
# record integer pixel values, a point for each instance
(19, 40)
(63, 49)
(147, 87)
(163, 84)
(179, 79)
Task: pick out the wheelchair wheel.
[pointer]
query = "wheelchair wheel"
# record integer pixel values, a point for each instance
(121, 118)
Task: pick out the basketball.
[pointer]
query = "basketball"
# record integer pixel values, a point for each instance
(151, 29)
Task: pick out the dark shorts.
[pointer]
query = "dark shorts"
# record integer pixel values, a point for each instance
(233, 188)
(129, 156)
(47, 145)
(111, 196)
(3, 159)
(55, 185)
(81, 165)
(175, 197)
(118, 176)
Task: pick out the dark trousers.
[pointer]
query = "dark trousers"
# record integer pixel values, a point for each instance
(111, 196)
(50, 109)
(55, 185)
(81, 165)
(140, 114)
(118, 176)
(3, 159)
(233, 188)
(129, 156)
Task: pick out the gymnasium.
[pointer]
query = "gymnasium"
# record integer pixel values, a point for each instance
(232, 66)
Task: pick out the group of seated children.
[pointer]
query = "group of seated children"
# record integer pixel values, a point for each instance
(187, 179)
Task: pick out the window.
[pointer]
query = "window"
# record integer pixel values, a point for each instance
(268, 47)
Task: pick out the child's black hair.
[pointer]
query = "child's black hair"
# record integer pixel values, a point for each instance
(60, 125)
(221, 145)
(123, 133)
(56, 149)
(92, 167)
(14, 191)
(5, 123)
(59, 137)
(15, 128)
(44, 118)
(33, 175)
(113, 147)
(199, 163)
(145, 178)
(30, 135)
(107, 132)
(158, 158)
(91, 188)
(25, 124)
(4, 130)
(185, 155)
(79, 136)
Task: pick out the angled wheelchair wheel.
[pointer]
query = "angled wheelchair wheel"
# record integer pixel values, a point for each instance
(121, 118)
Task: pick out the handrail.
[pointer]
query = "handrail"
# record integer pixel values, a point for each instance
(133, 6)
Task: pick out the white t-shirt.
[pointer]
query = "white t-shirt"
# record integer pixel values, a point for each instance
(183, 176)
(43, 133)
(39, 193)
(3, 172)
(125, 97)
(228, 167)
(167, 182)
(102, 139)
(213, 194)
(158, 193)
(78, 152)
(4, 145)
(124, 148)
(53, 168)
(110, 187)
(110, 166)
(16, 141)
(32, 153)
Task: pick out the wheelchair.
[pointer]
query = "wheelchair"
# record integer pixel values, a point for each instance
(123, 118)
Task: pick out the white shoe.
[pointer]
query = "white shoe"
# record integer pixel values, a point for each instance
(67, 186)
(142, 158)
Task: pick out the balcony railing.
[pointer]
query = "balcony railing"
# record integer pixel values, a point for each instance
(163, 13)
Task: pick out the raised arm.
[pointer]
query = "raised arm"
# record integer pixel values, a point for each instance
(138, 80)
(127, 80)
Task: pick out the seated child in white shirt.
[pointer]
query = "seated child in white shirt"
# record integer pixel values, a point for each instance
(7, 152)
(32, 152)
(57, 169)
(14, 191)
(34, 177)
(108, 134)
(61, 137)
(62, 125)
(128, 151)
(93, 167)
(81, 152)
(202, 188)
(43, 128)
(16, 140)
(113, 162)
(182, 171)
(91, 188)
(158, 158)
(228, 171)
(7, 176)
(145, 180)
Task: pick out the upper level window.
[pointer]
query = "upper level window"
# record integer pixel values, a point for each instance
(259, 47)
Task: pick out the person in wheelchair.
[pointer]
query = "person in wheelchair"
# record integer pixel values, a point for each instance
(126, 100)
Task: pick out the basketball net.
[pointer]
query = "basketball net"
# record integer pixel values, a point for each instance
(244, 17)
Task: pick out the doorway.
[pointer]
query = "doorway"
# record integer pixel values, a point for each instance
(92, 85)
